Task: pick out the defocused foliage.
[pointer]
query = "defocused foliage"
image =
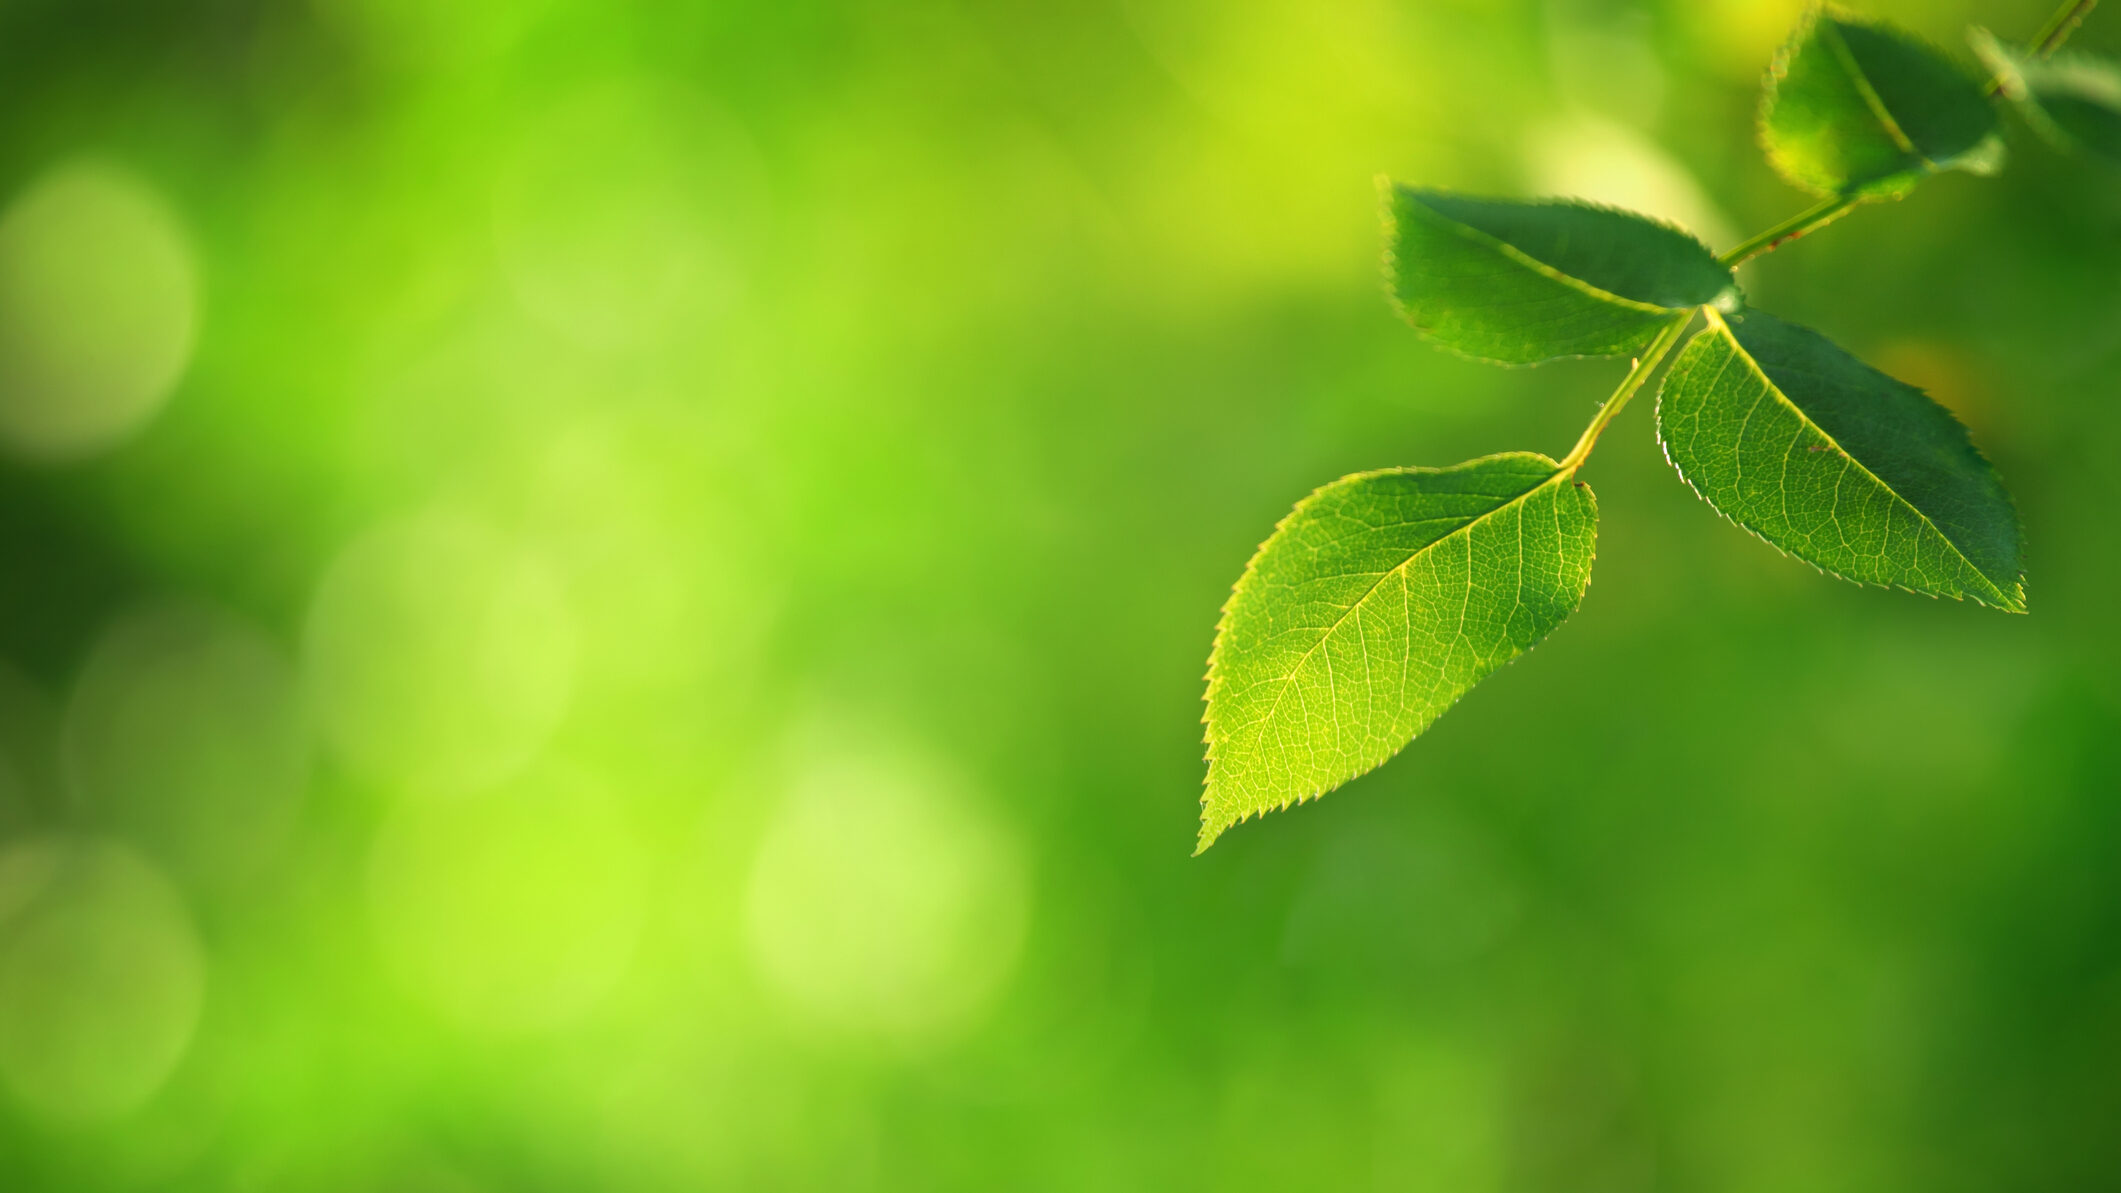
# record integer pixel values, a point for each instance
(630, 618)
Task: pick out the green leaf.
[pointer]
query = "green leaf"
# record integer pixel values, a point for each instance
(1374, 606)
(1519, 283)
(2073, 99)
(1866, 111)
(1837, 463)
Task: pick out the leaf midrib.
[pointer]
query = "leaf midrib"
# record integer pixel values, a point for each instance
(1518, 255)
(2003, 599)
(1289, 680)
(1846, 57)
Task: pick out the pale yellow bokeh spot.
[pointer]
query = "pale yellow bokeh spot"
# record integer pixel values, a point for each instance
(1585, 156)
(101, 978)
(1605, 58)
(1741, 36)
(884, 900)
(656, 542)
(1265, 184)
(439, 654)
(98, 307)
(514, 910)
(631, 209)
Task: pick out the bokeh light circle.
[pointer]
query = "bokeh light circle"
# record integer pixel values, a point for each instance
(657, 544)
(101, 978)
(186, 731)
(513, 910)
(631, 208)
(98, 310)
(883, 901)
(439, 654)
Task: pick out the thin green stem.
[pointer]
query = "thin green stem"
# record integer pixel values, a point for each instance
(2061, 25)
(1809, 220)
(2050, 38)
(2052, 34)
(1644, 365)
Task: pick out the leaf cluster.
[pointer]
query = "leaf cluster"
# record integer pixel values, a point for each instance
(1385, 596)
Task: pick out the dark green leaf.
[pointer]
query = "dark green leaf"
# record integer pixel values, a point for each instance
(1520, 283)
(1864, 110)
(1837, 463)
(2073, 99)
(1374, 606)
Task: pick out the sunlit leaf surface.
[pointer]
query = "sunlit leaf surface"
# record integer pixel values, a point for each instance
(1861, 109)
(1520, 282)
(1372, 609)
(1837, 463)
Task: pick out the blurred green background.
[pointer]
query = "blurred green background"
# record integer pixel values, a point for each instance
(613, 597)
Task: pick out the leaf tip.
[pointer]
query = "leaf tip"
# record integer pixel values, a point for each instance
(1213, 823)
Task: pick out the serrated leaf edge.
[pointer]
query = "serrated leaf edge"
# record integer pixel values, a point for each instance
(1208, 833)
(1983, 157)
(1386, 191)
(1664, 445)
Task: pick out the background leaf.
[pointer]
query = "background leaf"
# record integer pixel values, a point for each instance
(1372, 608)
(1853, 108)
(1524, 282)
(2073, 99)
(1838, 464)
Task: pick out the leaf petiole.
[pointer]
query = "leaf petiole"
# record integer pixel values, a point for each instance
(1808, 220)
(1644, 365)
(2060, 26)
(2050, 38)
(2051, 35)
(1382, 598)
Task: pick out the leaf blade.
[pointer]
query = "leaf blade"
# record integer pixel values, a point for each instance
(1333, 651)
(1512, 282)
(1862, 110)
(1872, 481)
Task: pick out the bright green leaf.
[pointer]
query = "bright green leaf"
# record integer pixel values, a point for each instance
(1863, 110)
(1837, 463)
(1374, 606)
(1519, 283)
(2073, 99)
